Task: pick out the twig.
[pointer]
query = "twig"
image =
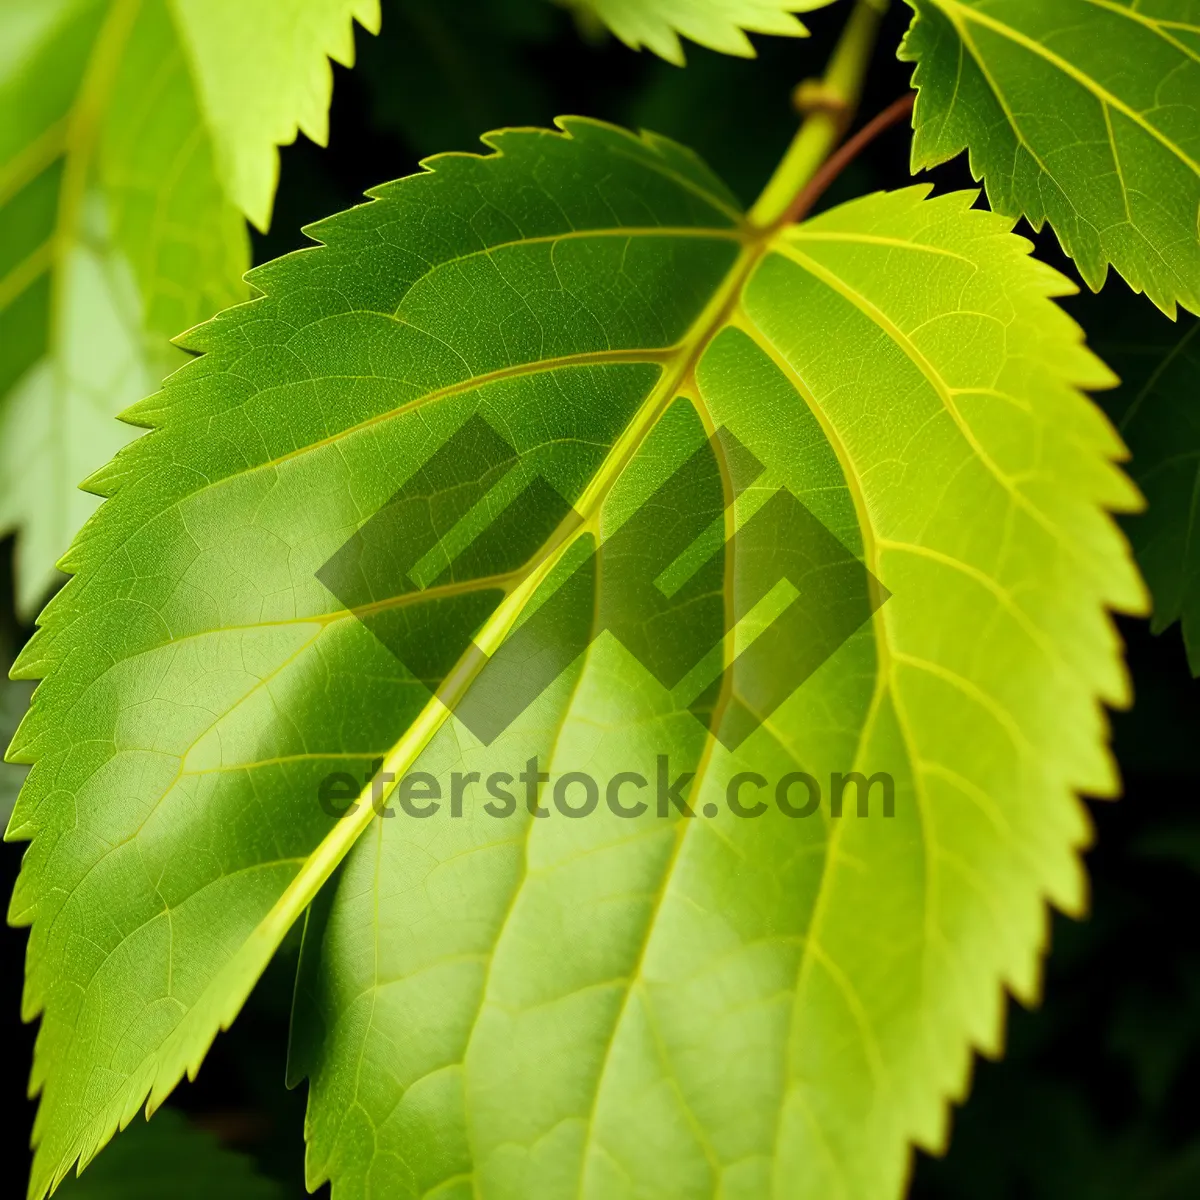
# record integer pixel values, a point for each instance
(833, 166)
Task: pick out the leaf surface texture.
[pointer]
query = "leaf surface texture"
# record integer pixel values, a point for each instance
(531, 1007)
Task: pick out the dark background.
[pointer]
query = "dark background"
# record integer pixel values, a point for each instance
(1094, 1096)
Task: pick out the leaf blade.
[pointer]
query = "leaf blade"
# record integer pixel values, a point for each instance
(263, 75)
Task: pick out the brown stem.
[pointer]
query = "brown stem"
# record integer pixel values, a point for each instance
(833, 166)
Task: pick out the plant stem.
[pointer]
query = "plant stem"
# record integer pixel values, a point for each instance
(833, 166)
(831, 103)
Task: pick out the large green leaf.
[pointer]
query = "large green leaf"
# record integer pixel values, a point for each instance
(1085, 113)
(717, 24)
(670, 1006)
(134, 130)
(1157, 413)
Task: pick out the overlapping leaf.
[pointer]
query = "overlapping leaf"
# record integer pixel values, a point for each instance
(133, 133)
(718, 24)
(682, 1006)
(1083, 113)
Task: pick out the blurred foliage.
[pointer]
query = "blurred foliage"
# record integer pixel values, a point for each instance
(1156, 413)
(720, 25)
(170, 1157)
(1094, 1097)
(14, 699)
(428, 48)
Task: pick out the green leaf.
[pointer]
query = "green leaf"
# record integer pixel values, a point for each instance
(718, 24)
(1083, 113)
(1156, 413)
(170, 1157)
(121, 176)
(517, 1007)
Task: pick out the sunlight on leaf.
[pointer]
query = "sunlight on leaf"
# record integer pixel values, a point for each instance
(262, 73)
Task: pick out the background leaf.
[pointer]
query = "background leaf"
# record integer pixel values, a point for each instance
(717, 24)
(116, 237)
(1157, 413)
(480, 61)
(601, 305)
(1062, 130)
(262, 73)
(170, 1157)
(122, 170)
(14, 700)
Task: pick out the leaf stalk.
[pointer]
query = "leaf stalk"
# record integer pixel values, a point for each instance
(830, 103)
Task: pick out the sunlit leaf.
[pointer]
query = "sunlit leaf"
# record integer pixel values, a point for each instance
(170, 1157)
(263, 75)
